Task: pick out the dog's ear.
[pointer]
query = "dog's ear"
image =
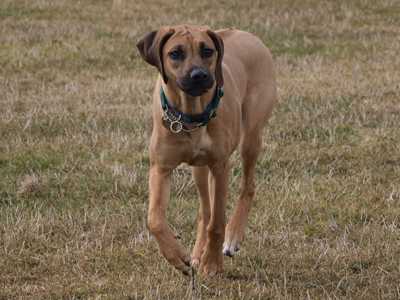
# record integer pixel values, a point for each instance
(219, 44)
(151, 47)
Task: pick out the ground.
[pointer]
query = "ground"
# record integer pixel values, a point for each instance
(75, 122)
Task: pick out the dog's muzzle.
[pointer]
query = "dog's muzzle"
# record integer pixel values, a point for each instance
(196, 82)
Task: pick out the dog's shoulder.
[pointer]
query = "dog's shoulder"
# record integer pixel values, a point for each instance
(226, 34)
(237, 37)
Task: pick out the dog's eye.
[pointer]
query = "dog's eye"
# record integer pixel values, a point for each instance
(175, 54)
(208, 52)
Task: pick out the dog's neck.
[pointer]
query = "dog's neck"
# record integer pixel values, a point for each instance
(185, 103)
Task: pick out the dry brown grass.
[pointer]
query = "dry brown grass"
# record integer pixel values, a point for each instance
(75, 120)
(29, 186)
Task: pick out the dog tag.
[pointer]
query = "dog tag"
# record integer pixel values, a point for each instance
(166, 123)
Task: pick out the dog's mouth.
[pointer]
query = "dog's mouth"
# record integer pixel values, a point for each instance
(195, 92)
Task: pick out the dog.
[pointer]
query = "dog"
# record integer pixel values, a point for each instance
(199, 123)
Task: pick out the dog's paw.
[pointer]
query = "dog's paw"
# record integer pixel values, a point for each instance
(211, 269)
(211, 263)
(196, 255)
(234, 237)
(177, 256)
(229, 249)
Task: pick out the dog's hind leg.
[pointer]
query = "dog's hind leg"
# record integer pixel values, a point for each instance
(250, 148)
(200, 177)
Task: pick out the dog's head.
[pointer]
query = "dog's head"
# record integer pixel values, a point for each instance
(189, 56)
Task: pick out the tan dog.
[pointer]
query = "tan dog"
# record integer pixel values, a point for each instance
(193, 63)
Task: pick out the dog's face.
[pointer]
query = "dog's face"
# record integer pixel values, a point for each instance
(188, 56)
(190, 59)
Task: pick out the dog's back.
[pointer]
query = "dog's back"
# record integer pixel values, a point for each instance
(248, 62)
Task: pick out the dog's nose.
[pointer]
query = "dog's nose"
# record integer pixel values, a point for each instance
(198, 75)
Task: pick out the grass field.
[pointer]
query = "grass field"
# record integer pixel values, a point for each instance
(75, 121)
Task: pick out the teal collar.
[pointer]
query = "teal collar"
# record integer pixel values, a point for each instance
(174, 116)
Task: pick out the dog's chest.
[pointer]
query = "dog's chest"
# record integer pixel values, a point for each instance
(199, 157)
(197, 152)
(200, 151)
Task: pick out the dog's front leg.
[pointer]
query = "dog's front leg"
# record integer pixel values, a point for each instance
(159, 192)
(212, 259)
